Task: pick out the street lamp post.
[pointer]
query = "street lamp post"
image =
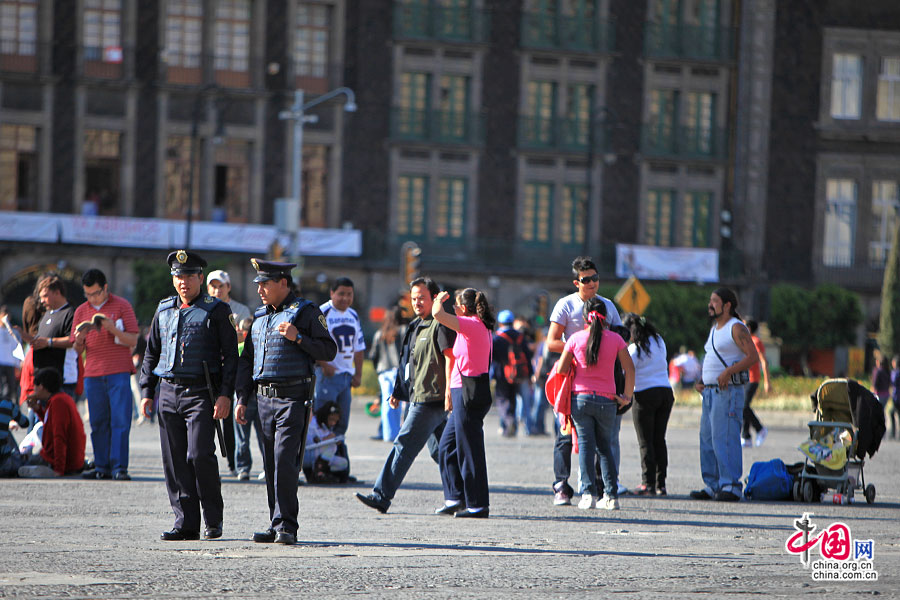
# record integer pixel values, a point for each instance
(297, 114)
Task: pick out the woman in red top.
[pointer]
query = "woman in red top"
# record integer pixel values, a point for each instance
(594, 401)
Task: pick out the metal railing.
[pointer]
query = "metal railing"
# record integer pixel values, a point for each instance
(559, 32)
(693, 42)
(682, 141)
(561, 133)
(448, 127)
(21, 57)
(428, 20)
(226, 71)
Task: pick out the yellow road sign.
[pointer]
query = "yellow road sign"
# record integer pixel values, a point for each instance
(633, 297)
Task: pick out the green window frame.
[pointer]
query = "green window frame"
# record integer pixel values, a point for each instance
(540, 111)
(659, 217)
(696, 219)
(450, 211)
(579, 111)
(572, 214)
(663, 117)
(453, 106)
(699, 121)
(412, 206)
(537, 213)
(454, 17)
(415, 103)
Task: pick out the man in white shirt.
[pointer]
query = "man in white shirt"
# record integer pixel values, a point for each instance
(335, 378)
(565, 320)
(218, 285)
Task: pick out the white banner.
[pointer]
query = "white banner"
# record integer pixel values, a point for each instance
(28, 227)
(227, 237)
(677, 264)
(114, 231)
(325, 242)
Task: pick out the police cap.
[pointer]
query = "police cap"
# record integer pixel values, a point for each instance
(267, 270)
(185, 262)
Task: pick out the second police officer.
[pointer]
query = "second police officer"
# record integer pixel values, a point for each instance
(192, 355)
(287, 336)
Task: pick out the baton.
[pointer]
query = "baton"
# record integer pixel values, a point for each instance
(309, 408)
(212, 396)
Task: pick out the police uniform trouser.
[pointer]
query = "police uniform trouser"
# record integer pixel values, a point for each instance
(282, 421)
(187, 436)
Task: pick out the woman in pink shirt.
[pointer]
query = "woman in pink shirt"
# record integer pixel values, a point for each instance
(594, 401)
(462, 460)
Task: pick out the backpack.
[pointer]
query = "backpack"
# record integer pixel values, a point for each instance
(769, 481)
(516, 367)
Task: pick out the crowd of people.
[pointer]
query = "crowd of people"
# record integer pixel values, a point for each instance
(209, 370)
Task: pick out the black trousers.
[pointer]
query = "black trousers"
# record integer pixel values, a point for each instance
(187, 437)
(505, 397)
(750, 417)
(282, 422)
(463, 462)
(652, 408)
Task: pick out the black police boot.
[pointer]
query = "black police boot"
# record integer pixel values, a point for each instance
(264, 537)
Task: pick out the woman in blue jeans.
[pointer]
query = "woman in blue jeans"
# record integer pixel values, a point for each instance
(594, 401)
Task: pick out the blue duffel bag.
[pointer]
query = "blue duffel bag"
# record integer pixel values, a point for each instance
(769, 481)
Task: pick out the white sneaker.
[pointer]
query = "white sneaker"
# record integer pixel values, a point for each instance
(746, 442)
(261, 476)
(610, 503)
(761, 437)
(587, 502)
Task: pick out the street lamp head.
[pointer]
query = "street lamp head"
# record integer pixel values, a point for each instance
(350, 106)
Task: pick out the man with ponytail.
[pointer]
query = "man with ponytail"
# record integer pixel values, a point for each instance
(729, 353)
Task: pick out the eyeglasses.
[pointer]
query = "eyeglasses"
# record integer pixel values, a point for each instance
(589, 278)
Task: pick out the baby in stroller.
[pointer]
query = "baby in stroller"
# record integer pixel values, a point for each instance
(849, 424)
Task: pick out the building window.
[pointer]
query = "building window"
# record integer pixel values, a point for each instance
(450, 213)
(184, 33)
(572, 215)
(231, 191)
(18, 167)
(102, 27)
(888, 103)
(840, 222)
(663, 114)
(102, 149)
(454, 103)
(232, 42)
(696, 219)
(311, 43)
(315, 185)
(415, 103)
(18, 27)
(699, 119)
(846, 86)
(536, 213)
(885, 207)
(178, 177)
(540, 110)
(412, 198)
(578, 125)
(659, 218)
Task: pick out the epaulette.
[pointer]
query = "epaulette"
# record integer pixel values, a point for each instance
(167, 303)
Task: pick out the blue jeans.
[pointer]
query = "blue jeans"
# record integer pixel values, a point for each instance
(110, 404)
(720, 438)
(390, 417)
(421, 422)
(539, 410)
(524, 400)
(243, 461)
(595, 418)
(335, 389)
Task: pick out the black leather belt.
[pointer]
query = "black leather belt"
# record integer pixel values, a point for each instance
(283, 389)
(186, 381)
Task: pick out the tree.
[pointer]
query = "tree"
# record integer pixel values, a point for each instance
(790, 316)
(889, 324)
(835, 316)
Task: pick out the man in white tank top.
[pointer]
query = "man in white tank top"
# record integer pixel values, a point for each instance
(729, 351)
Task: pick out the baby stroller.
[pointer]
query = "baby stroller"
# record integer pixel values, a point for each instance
(849, 424)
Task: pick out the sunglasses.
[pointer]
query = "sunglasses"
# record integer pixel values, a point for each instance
(589, 278)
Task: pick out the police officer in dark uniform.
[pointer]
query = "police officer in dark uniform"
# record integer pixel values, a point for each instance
(192, 344)
(289, 334)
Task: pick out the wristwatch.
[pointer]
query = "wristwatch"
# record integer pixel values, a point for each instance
(49, 342)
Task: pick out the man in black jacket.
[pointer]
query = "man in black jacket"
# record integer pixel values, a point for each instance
(421, 379)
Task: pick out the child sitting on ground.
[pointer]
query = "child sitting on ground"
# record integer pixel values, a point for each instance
(325, 459)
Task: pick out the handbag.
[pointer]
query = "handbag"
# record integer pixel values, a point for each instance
(739, 378)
